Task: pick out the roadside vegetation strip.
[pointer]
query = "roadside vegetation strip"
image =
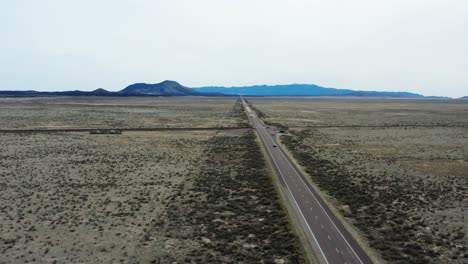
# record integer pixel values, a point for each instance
(120, 129)
(259, 113)
(229, 212)
(263, 116)
(377, 126)
(398, 174)
(392, 210)
(159, 219)
(239, 114)
(284, 199)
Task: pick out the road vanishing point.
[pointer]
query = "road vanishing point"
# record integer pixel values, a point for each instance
(329, 240)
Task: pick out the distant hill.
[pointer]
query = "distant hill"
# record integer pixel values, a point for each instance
(101, 91)
(173, 88)
(31, 93)
(298, 90)
(385, 94)
(166, 88)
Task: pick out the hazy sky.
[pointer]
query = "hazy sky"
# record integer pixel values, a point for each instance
(393, 45)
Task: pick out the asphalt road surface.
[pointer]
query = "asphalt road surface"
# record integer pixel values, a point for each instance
(327, 237)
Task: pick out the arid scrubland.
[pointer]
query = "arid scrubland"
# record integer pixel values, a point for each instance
(116, 112)
(75, 197)
(138, 197)
(310, 112)
(396, 169)
(228, 213)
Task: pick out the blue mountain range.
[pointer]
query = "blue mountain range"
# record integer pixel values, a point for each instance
(172, 88)
(297, 90)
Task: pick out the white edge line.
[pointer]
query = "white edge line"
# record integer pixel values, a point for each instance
(313, 195)
(297, 205)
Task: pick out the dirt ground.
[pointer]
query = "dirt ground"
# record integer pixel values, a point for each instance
(75, 197)
(116, 112)
(140, 197)
(309, 112)
(402, 181)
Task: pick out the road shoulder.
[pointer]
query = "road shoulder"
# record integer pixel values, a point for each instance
(294, 222)
(329, 201)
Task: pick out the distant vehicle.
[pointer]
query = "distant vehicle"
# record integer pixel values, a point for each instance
(274, 145)
(106, 131)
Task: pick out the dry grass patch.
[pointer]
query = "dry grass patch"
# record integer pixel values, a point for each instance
(137, 197)
(396, 168)
(117, 112)
(409, 201)
(88, 198)
(300, 112)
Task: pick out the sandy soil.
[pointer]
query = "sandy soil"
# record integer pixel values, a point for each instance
(137, 197)
(397, 171)
(116, 112)
(300, 112)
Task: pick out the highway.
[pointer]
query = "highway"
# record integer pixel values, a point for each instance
(327, 237)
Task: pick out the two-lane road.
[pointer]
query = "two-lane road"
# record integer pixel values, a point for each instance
(327, 237)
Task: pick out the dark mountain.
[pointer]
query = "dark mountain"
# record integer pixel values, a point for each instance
(298, 90)
(275, 90)
(384, 94)
(166, 88)
(31, 93)
(97, 92)
(101, 91)
(172, 88)
(28, 93)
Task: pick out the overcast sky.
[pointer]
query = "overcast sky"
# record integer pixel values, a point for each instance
(393, 45)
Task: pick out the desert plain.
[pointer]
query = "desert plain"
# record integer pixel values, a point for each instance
(395, 169)
(172, 196)
(187, 181)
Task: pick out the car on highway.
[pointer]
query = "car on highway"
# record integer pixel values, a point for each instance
(274, 145)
